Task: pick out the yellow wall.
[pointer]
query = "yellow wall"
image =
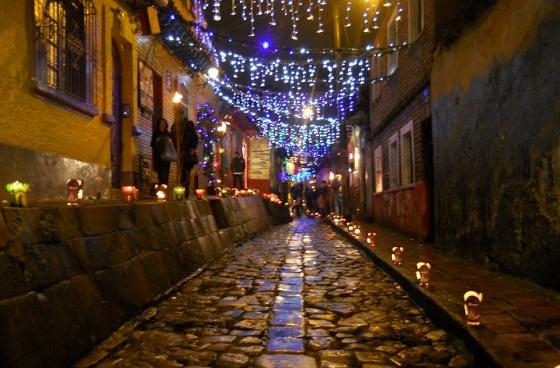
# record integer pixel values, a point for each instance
(31, 122)
(509, 29)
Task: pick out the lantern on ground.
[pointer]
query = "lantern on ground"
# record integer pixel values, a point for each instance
(357, 231)
(74, 191)
(129, 193)
(423, 273)
(472, 301)
(397, 255)
(179, 193)
(18, 193)
(199, 193)
(161, 192)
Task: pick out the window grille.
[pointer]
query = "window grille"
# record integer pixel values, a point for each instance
(65, 46)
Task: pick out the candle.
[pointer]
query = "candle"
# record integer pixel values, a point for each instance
(179, 193)
(18, 192)
(423, 273)
(129, 193)
(472, 301)
(397, 255)
(371, 239)
(161, 192)
(199, 193)
(74, 191)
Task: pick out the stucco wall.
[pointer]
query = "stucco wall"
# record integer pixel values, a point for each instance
(496, 126)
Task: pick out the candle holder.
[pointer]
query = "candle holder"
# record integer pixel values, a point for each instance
(129, 193)
(18, 193)
(161, 192)
(472, 301)
(179, 193)
(397, 255)
(371, 239)
(74, 191)
(423, 274)
(199, 193)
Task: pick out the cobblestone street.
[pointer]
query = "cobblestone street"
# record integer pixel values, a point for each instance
(296, 296)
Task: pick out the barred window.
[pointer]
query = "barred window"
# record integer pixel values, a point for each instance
(65, 40)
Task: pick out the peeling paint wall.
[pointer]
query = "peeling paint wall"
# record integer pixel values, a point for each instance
(496, 127)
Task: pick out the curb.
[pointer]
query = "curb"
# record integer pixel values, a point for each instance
(433, 309)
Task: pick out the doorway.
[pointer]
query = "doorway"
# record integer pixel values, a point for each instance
(116, 127)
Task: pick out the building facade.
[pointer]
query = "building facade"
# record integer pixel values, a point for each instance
(73, 98)
(399, 182)
(496, 123)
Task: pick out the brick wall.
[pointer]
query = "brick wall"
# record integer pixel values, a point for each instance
(414, 67)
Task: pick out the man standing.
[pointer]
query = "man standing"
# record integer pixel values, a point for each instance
(238, 170)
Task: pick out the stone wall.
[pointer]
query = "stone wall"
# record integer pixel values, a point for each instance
(496, 126)
(69, 276)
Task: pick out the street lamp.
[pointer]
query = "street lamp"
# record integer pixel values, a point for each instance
(177, 98)
(307, 112)
(213, 72)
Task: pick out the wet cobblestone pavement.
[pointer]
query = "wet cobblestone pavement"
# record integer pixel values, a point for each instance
(296, 296)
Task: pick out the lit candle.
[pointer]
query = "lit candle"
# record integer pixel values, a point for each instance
(179, 193)
(74, 191)
(357, 231)
(371, 239)
(199, 193)
(161, 192)
(18, 192)
(472, 301)
(423, 273)
(397, 255)
(129, 193)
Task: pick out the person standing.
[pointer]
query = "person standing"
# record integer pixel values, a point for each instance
(297, 196)
(238, 170)
(337, 194)
(186, 139)
(160, 138)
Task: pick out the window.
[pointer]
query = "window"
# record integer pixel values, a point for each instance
(393, 40)
(65, 37)
(415, 19)
(378, 162)
(407, 154)
(394, 161)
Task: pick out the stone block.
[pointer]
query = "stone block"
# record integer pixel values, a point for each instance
(91, 253)
(125, 286)
(46, 264)
(142, 215)
(124, 217)
(12, 277)
(191, 209)
(180, 234)
(217, 244)
(208, 224)
(54, 328)
(139, 238)
(158, 239)
(156, 272)
(197, 227)
(96, 220)
(173, 266)
(118, 247)
(172, 237)
(225, 236)
(174, 211)
(190, 255)
(188, 229)
(160, 212)
(206, 248)
(219, 212)
(3, 231)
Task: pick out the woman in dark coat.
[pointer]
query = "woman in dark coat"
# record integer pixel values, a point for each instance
(159, 138)
(187, 140)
